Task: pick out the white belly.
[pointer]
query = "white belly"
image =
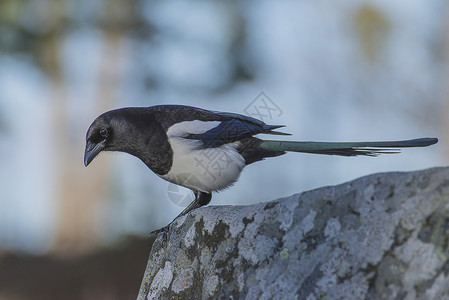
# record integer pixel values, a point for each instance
(206, 170)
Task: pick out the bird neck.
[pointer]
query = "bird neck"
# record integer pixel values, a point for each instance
(148, 141)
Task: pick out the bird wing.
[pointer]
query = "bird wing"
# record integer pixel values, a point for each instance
(234, 127)
(212, 128)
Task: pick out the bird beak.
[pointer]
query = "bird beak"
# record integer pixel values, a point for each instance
(92, 151)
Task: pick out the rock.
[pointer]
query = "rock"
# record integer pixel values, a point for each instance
(384, 236)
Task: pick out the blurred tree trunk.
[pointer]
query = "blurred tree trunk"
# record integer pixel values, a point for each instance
(82, 190)
(74, 198)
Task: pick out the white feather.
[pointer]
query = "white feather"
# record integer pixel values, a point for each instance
(191, 127)
(206, 170)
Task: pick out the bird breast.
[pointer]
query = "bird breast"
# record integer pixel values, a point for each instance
(204, 169)
(199, 168)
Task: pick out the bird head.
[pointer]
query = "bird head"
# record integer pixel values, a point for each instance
(98, 138)
(132, 130)
(123, 129)
(109, 132)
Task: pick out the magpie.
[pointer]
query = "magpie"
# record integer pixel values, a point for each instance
(206, 150)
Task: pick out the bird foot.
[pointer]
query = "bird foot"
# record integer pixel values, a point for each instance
(163, 231)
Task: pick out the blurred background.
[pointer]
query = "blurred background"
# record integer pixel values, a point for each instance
(330, 70)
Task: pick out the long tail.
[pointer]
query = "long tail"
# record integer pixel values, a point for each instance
(347, 148)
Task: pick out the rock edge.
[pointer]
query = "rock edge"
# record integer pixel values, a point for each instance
(383, 236)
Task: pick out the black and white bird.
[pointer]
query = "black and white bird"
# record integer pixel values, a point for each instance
(205, 150)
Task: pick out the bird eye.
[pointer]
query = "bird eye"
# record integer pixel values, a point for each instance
(104, 132)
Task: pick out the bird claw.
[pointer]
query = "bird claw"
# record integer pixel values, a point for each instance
(163, 230)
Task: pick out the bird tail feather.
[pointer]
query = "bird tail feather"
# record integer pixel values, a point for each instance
(346, 148)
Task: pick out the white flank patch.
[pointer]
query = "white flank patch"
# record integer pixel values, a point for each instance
(206, 170)
(185, 128)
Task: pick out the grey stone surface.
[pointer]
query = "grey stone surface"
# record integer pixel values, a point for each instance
(384, 236)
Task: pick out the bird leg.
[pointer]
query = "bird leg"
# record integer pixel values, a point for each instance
(201, 199)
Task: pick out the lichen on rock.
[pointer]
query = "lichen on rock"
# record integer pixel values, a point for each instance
(383, 236)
